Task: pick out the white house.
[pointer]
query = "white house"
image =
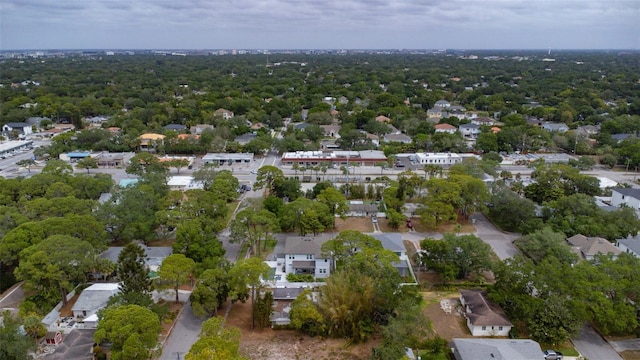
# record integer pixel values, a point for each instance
(470, 131)
(555, 127)
(303, 255)
(21, 128)
(630, 245)
(442, 104)
(626, 197)
(483, 318)
(93, 299)
(446, 128)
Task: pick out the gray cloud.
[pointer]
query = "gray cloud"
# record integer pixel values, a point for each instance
(319, 24)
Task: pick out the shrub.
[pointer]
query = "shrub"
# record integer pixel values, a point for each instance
(300, 277)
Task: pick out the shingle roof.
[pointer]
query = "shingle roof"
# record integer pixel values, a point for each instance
(591, 246)
(632, 243)
(445, 127)
(635, 193)
(483, 312)
(497, 349)
(304, 245)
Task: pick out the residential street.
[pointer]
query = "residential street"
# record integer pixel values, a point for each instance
(501, 242)
(184, 334)
(592, 346)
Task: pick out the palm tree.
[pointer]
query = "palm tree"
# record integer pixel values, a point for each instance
(295, 168)
(432, 170)
(323, 168)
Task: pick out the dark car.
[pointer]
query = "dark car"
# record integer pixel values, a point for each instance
(552, 355)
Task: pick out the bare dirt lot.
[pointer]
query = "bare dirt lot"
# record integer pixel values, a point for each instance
(363, 224)
(447, 326)
(288, 344)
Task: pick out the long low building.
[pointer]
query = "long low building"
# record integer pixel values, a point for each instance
(224, 158)
(338, 157)
(438, 158)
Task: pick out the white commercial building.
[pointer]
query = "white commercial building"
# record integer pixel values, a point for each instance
(443, 159)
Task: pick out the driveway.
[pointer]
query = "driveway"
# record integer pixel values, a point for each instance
(592, 346)
(184, 334)
(501, 242)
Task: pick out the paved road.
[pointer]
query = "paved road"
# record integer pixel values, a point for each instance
(500, 242)
(593, 347)
(184, 334)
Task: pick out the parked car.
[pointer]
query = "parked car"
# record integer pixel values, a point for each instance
(552, 355)
(254, 172)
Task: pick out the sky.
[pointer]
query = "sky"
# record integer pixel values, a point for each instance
(319, 24)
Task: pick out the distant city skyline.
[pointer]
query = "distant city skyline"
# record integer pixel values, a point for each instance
(312, 24)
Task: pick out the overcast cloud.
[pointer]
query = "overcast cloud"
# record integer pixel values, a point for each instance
(319, 24)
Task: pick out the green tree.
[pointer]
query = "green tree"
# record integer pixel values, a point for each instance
(511, 211)
(266, 177)
(15, 344)
(256, 227)
(246, 276)
(211, 291)
(176, 269)
(87, 163)
(456, 256)
(26, 163)
(34, 327)
(305, 315)
(335, 201)
(55, 265)
(132, 271)
(545, 242)
(197, 241)
(216, 342)
(132, 331)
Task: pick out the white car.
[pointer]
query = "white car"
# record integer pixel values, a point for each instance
(254, 172)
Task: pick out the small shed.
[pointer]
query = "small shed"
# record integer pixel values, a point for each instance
(53, 338)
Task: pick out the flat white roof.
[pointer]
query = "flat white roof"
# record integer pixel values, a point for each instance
(103, 286)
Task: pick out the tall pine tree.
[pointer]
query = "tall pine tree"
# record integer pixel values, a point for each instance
(132, 271)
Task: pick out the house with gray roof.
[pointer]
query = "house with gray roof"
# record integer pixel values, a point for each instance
(555, 127)
(483, 317)
(588, 247)
(630, 245)
(21, 128)
(496, 349)
(401, 138)
(154, 255)
(470, 131)
(628, 197)
(93, 299)
(175, 127)
(303, 255)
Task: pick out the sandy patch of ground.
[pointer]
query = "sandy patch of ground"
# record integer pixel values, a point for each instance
(447, 326)
(363, 224)
(289, 344)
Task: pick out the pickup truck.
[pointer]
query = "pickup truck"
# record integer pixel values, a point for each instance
(552, 355)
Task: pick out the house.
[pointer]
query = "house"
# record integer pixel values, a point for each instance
(375, 140)
(534, 121)
(357, 208)
(154, 255)
(470, 130)
(200, 128)
(443, 104)
(437, 113)
(223, 113)
(629, 197)
(483, 318)
(258, 126)
(331, 131)
(244, 139)
(622, 137)
(587, 130)
(175, 127)
(485, 121)
(382, 118)
(393, 242)
(401, 138)
(555, 127)
(496, 349)
(301, 126)
(588, 247)
(303, 255)
(283, 297)
(446, 128)
(93, 299)
(149, 141)
(36, 120)
(18, 128)
(630, 245)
